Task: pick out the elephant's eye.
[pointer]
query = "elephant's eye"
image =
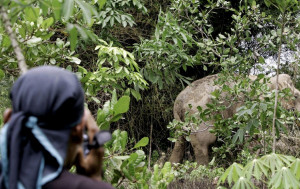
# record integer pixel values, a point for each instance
(296, 96)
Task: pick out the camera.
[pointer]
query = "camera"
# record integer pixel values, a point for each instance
(99, 140)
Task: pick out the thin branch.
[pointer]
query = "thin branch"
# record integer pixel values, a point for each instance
(18, 52)
(276, 89)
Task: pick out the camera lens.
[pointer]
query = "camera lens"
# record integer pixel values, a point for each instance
(99, 139)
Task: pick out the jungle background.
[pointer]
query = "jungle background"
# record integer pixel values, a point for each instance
(133, 57)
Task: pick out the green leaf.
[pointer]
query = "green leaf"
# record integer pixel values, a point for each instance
(34, 41)
(133, 157)
(52, 61)
(116, 176)
(44, 6)
(143, 142)
(124, 139)
(56, 6)
(127, 174)
(68, 9)
(75, 60)
(232, 173)
(31, 14)
(96, 100)
(122, 105)
(131, 169)
(86, 10)
(47, 23)
(184, 37)
(284, 178)
(136, 94)
(122, 157)
(73, 37)
(116, 118)
(157, 33)
(140, 158)
(102, 114)
(295, 168)
(69, 67)
(276, 161)
(101, 4)
(6, 41)
(166, 169)
(256, 168)
(243, 183)
(114, 99)
(2, 74)
(22, 32)
(238, 135)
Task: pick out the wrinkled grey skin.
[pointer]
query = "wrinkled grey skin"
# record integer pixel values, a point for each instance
(199, 94)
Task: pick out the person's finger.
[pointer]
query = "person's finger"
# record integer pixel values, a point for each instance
(80, 160)
(91, 126)
(7, 115)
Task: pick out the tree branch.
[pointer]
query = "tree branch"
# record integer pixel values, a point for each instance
(18, 52)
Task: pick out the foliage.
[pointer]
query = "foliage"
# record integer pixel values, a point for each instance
(113, 12)
(126, 168)
(276, 170)
(166, 53)
(49, 34)
(190, 170)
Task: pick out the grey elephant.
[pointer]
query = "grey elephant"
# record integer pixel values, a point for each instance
(197, 94)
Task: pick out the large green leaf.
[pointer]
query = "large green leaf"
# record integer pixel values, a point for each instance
(124, 139)
(243, 183)
(122, 105)
(295, 168)
(86, 10)
(68, 9)
(140, 158)
(31, 14)
(47, 23)
(284, 178)
(73, 38)
(143, 142)
(166, 169)
(102, 114)
(2, 74)
(56, 6)
(232, 173)
(256, 168)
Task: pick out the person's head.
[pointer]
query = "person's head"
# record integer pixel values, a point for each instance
(47, 108)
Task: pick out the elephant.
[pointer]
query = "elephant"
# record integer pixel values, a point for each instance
(198, 93)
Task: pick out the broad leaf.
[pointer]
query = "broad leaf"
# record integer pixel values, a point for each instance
(143, 142)
(68, 9)
(122, 105)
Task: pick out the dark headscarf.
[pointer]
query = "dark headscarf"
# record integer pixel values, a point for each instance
(47, 102)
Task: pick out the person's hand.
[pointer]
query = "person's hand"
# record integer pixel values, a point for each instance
(7, 115)
(90, 165)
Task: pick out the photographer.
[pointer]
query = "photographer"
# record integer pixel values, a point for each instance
(43, 134)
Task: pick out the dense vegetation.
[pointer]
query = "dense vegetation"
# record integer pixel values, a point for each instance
(133, 57)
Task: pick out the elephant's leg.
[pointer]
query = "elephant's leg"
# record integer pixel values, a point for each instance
(200, 150)
(178, 150)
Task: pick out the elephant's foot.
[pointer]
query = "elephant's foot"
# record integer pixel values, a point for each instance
(178, 151)
(200, 150)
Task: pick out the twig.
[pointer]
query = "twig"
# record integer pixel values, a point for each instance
(19, 55)
(150, 145)
(276, 89)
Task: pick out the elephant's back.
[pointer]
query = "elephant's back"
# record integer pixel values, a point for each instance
(198, 93)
